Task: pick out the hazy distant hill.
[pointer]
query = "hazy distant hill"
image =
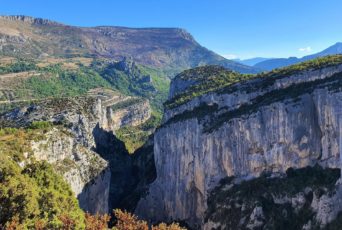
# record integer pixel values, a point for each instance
(282, 62)
(276, 63)
(251, 61)
(165, 48)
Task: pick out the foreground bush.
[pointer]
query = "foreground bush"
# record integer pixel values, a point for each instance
(34, 197)
(124, 221)
(97, 222)
(127, 221)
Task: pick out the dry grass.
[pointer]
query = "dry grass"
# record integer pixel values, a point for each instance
(83, 60)
(70, 66)
(19, 29)
(67, 63)
(9, 31)
(9, 137)
(7, 60)
(11, 80)
(25, 74)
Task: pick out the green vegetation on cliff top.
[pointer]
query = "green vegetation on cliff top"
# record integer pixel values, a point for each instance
(207, 79)
(213, 117)
(213, 78)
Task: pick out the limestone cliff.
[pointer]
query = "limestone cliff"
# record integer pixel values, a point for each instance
(85, 171)
(74, 146)
(127, 112)
(269, 123)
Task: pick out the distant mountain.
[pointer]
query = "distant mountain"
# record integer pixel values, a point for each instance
(171, 49)
(334, 49)
(251, 61)
(282, 62)
(276, 63)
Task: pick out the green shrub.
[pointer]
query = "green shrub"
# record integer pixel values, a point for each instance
(41, 125)
(56, 82)
(19, 66)
(35, 193)
(136, 137)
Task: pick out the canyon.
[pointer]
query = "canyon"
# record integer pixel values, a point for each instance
(222, 146)
(233, 151)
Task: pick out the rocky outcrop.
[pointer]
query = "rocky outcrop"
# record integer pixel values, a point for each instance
(127, 65)
(189, 78)
(115, 110)
(28, 19)
(78, 146)
(180, 85)
(264, 124)
(133, 114)
(85, 171)
(306, 198)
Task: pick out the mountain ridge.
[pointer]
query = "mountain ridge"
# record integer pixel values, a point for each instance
(283, 62)
(29, 19)
(251, 61)
(171, 49)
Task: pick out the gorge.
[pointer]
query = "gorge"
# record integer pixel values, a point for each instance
(149, 121)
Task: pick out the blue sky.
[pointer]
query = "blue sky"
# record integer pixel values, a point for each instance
(234, 28)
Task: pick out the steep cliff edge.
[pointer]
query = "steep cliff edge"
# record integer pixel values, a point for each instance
(74, 142)
(284, 119)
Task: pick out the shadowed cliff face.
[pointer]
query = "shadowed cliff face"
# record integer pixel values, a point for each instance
(171, 49)
(264, 124)
(131, 174)
(120, 164)
(82, 147)
(96, 193)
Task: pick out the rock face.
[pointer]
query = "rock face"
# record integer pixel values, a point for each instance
(85, 171)
(264, 124)
(130, 112)
(305, 198)
(38, 21)
(74, 145)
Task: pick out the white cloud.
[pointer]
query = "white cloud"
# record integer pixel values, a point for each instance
(230, 56)
(305, 49)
